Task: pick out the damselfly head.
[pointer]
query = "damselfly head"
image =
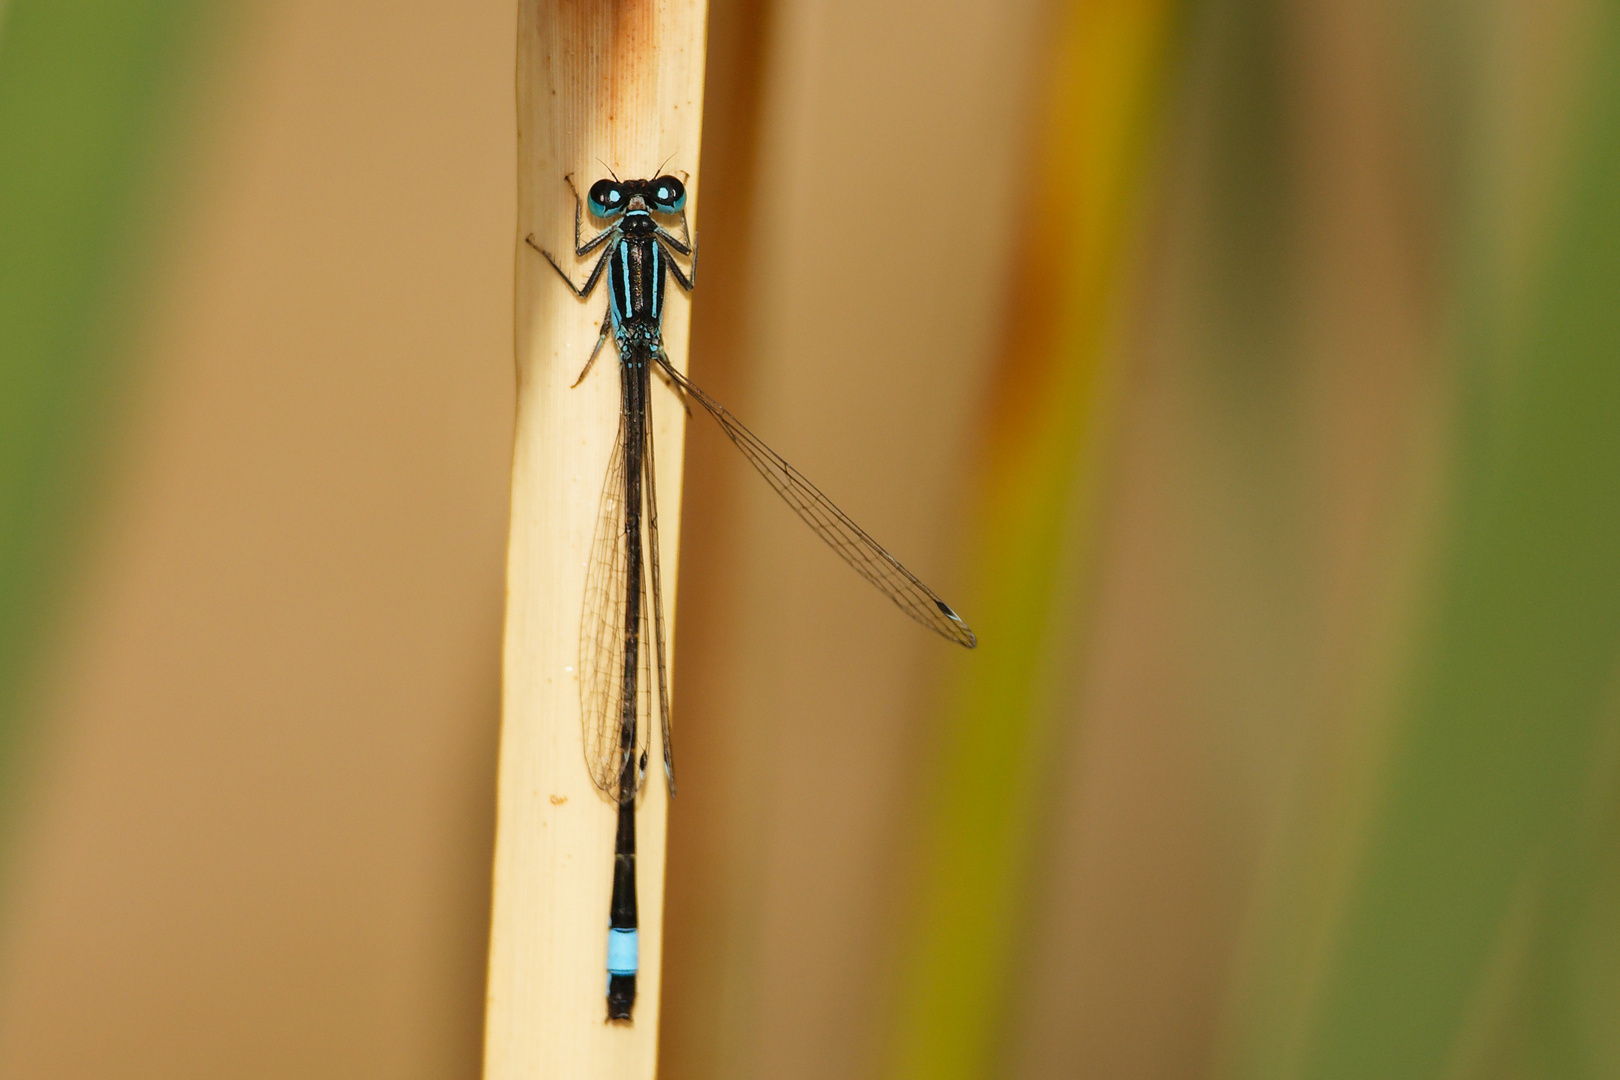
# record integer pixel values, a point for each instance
(610, 198)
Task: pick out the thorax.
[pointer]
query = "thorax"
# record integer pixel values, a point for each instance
(636, 274)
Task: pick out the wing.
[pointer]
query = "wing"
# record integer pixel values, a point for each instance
(845, 537)
(603, 637)
(656, 586)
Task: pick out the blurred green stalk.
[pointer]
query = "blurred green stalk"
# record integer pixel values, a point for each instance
(85, 95)
(1044, 442)
(1476, 863)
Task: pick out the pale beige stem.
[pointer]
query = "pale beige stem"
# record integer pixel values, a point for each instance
(601, 84)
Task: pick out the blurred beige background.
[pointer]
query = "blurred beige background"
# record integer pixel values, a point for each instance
(259, 836)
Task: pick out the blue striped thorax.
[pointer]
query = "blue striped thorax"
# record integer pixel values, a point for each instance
(636, 274)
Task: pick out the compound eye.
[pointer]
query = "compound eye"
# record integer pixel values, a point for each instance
(667, 195)
(606, 198)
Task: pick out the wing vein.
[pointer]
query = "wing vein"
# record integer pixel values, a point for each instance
(852, 543)
(602, 635)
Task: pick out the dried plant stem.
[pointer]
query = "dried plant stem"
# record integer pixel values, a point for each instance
(601, 85)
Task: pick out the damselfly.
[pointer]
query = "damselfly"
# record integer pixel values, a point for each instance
(615, 671)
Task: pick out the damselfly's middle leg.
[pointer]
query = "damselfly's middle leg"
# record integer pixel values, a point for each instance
(687, 248)
(581, 291)
(687, 283)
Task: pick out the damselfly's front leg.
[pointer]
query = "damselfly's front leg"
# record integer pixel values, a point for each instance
(683, 243)
(582, 250)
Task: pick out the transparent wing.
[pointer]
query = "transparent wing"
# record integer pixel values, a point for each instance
(603, 638)
(845, 537)
(656, 587)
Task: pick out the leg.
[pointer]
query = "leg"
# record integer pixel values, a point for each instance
(607, 328)
(683, 246)
(581, 291)
(586, 248)
(687, 283)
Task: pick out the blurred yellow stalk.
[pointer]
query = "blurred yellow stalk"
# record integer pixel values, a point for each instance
(1043, 448)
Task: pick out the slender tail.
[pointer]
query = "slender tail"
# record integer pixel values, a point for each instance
(624, 946)
(624, 949)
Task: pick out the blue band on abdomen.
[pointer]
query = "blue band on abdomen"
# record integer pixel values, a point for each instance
(624, 952)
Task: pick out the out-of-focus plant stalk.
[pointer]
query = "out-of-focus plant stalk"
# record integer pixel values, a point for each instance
(1044, 444)
(88, 95)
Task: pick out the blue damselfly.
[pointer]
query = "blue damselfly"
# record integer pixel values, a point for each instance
(615, 672)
